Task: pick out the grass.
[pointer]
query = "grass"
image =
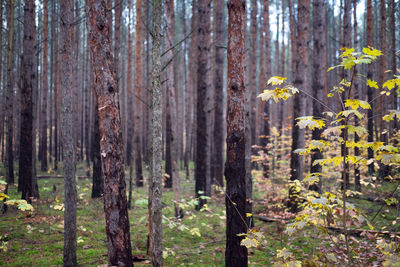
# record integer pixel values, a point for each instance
(37, 239)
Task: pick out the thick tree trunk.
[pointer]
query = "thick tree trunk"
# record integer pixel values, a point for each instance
(111, 147)
(138, 88)
(9, 155)
(44, 88)
(319, 45)
(235, 171)
(155, 187)
(28, 84)
(67, 133)
(202, 169)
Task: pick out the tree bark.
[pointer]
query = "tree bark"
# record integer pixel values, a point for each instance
(172, 120)
(357, 174)
(235, 171)
(67, 133)
(319, 45)
(267, 60)
(28, 83)
(44, 88)
(155, 188)
(383, 171)
(370, 93)
(202, 169)
(111, 146)
(218, 82)
(9, 165)
(138, 88)
(301, 82)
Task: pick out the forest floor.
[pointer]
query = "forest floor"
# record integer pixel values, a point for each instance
(36, 239)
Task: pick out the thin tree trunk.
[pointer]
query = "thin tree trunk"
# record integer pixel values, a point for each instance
(319, 45)
(44, 88)
(301, 82)
(10, 94)
(370, 93)
(111, 147)
(155, 187)
(235, 170)
(383, 171)
(218, 82)
(172, 120)
(67, 133)
(357, 174)
(28, 83)
(202, 169)
(138, 88)
(266, 115)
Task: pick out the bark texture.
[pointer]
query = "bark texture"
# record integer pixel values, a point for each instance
(202, 169)
(138, 89)
(235, 171)
(9, 155)
(44, 79)
(155, 209)
(111, 146)
(172, 126)
(28, 85)
(370, 92)
(218, 83)
(67, 133)
(319, 44)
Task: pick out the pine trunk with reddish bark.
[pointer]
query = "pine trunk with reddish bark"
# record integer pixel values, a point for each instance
(138, 88)
(235, 171)
(111, 146)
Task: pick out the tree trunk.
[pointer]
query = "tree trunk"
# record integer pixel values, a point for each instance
(155, 187)
(319, 45)
(172, 120)
(202, 169)
(9, 165)
(67, 133)
(235, 171)
(111, 146)
(43, 124)
(370, 93)
(301, 82)
(138, 88)
(267, 62)
(383, 171)
(28, 83)
(218, 82)
(357, 174)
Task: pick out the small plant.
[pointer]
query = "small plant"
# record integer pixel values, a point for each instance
(322, 211)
